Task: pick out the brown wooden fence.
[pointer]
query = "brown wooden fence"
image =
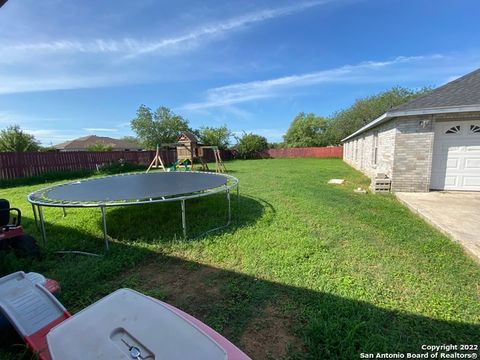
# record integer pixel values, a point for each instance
(24, 164)
(15, 165)
(315, 152)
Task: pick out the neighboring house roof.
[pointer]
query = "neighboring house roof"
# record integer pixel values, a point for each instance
(87, 141)
(460, 95)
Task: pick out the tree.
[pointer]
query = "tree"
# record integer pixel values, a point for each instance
(99, 147)
(306, 130)
(47, 149)
(365, 110)
(276, 145)
(133, 140)
(215, 136)
(14, 139)
(251, 146)
(163, 126)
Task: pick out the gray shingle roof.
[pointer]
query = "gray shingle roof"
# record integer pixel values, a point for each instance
(460, 95)
(460, 92)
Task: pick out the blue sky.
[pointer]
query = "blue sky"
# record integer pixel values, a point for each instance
(73, 68)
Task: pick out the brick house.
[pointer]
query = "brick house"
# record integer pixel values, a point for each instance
(432, 142)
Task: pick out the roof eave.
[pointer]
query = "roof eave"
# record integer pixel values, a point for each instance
(377, 121)
(430, 111)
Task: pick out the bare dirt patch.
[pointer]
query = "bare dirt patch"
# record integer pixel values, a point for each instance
(183, 285)
(201, 291)
(268, 336)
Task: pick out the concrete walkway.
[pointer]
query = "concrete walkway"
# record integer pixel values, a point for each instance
(457, 214)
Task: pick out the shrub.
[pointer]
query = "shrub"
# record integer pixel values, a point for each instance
(251, 146)
(118, 167)
(99, 147)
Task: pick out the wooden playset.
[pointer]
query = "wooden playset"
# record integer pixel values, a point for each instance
(188, 150)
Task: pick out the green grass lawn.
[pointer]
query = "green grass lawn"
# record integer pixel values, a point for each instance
(307, 271)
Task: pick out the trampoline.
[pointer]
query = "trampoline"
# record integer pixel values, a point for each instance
(132, 189)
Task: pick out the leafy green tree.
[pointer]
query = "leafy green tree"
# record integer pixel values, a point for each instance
(99, 147)
(161, 126)
(47, 148)
(14, 139)
(365, 110)
(215, 136)
(133, 140)
(251, 146)
(306, 130)
(276, 145)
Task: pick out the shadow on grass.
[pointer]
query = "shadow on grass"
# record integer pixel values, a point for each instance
(272, 320)
(162, 222)
(268, 320)
(146, 225)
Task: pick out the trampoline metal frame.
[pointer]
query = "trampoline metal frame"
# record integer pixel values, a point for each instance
(40, 222)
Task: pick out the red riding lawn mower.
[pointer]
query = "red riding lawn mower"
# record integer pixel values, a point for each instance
(12, 236)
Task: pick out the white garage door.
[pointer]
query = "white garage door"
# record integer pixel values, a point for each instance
(456, 156)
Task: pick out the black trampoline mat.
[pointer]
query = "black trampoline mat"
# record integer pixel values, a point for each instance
(133, 187)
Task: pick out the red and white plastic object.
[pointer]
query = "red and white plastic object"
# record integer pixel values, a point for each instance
(123, 325)
(130, 325)
(31, 309)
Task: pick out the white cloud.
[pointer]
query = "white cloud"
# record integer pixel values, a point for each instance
(226, 26)
(59, 64)
(49, 133)
(53, 136)
(131, 47)
(13, 118)
(48, 81)
(398, 70)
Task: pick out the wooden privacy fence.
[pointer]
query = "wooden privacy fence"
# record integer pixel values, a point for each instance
(24, 164)
(15, 165)
(315, 152)
(225, 154)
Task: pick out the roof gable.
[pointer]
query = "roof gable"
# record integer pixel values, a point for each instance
(187, 136)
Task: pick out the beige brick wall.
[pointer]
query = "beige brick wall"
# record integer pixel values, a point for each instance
(359, 152)
(413, 154)
(405, 150)
(404, 153)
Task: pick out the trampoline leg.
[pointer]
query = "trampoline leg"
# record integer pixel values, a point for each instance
(229, 208)
(184, 220)
(238, 200)
(35, 217)
(64, 212)
(104, 223)
(42, 225)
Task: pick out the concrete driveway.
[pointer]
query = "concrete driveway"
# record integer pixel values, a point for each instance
(454, 213)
